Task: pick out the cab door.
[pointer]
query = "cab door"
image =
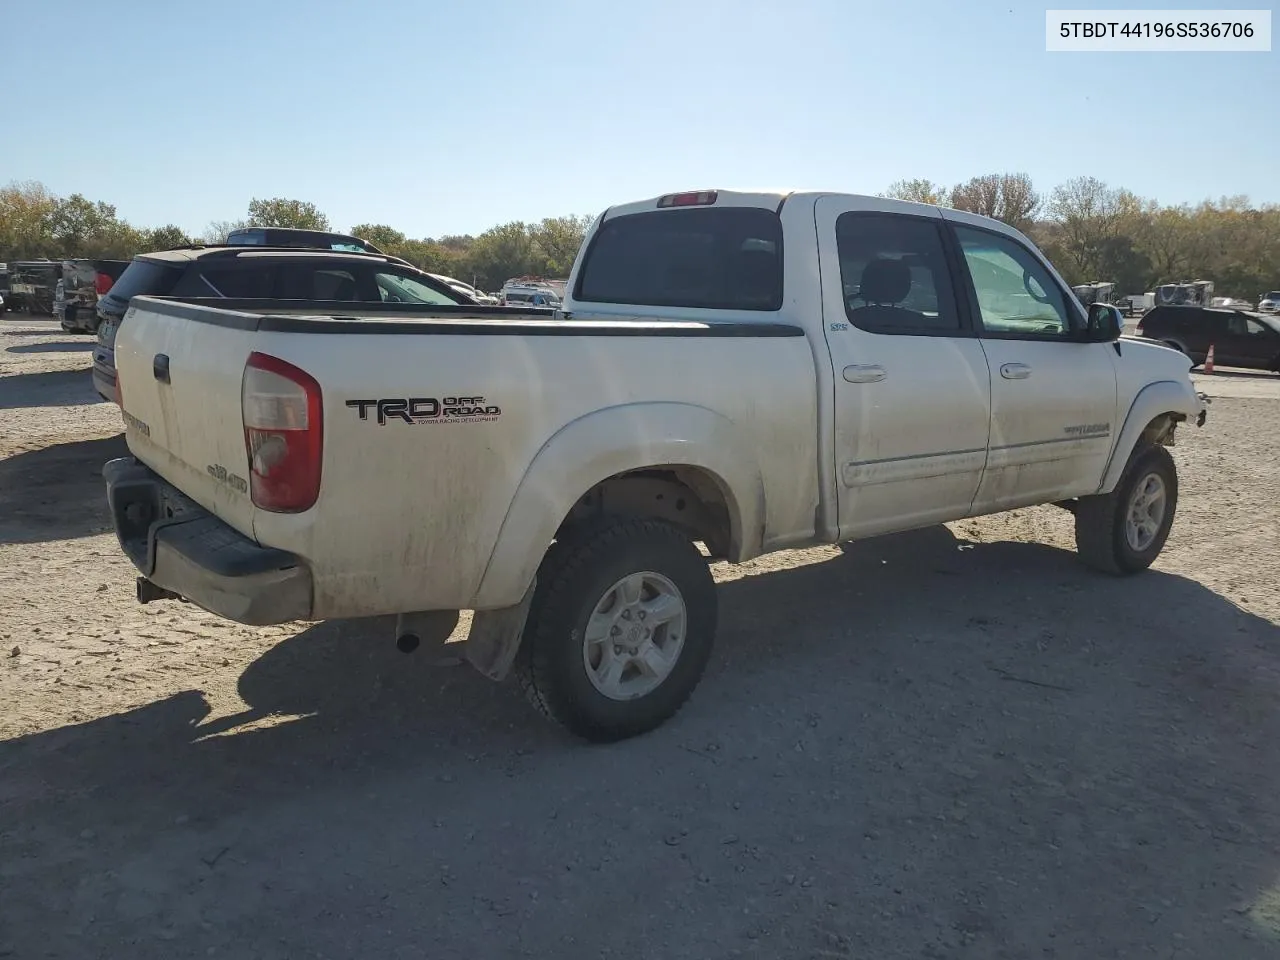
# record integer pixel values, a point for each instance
(912, 390)
(1053, 397)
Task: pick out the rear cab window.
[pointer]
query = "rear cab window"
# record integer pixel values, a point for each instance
(717, 258)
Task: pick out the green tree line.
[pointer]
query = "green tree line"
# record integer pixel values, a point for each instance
(1089, 229)
(34, 224)
(1092, 231)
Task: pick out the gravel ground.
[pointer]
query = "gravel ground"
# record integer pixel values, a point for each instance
(953, 743)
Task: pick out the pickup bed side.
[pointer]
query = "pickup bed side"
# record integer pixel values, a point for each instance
(424, 512)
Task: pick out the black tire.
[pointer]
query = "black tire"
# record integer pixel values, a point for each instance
(576, 575)
(1101, 538)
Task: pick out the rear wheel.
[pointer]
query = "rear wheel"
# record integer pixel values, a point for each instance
(1123, 532)
(620, 629)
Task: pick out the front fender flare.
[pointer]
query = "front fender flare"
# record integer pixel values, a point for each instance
(603, 444)
(1152, 401)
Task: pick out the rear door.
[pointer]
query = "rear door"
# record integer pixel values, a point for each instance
(1053, 398)
(912, 390)
(180, 389)
(1248, 342)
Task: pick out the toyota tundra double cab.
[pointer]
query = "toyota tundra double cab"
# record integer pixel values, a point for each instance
(730, 374)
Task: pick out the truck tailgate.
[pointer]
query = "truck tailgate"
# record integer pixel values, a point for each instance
(180, 396)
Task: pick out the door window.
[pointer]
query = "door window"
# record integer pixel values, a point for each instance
(317, 281)
(894, 274)
(403, 288)
(237, 282)
(1016, 296)
(1242, 326)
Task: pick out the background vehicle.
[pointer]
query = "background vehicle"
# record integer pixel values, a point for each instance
(1096, 292)
(1191, 293)
(1238, 339)
(902, 366)
(479, 296)
(235, 272)
(75, 299)
(1269, 302)
(530, 297)
(1231, 303)
(289, 237)
(32, 284)
(524, 291)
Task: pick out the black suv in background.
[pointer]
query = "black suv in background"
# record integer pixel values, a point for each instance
(253, 272)
(1238, 339)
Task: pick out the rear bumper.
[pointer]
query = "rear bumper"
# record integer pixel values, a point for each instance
(178, 545)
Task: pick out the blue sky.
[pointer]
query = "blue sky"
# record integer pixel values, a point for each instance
(445, 118)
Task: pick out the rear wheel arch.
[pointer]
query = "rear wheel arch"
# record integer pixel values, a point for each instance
(603, 463)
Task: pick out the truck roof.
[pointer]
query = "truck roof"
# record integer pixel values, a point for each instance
(776, 199)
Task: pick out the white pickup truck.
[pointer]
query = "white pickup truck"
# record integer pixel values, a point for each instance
(747, 372)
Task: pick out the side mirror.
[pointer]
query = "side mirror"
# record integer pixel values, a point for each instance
(1105, 323)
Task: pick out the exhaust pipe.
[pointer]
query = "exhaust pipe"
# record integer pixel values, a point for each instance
(149, 592)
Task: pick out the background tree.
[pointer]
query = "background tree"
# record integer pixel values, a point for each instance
(1090, 231)
(379, 234)
(555, 244)
(279, 212)
(164, 238)
(1008, 197)
(917, 190)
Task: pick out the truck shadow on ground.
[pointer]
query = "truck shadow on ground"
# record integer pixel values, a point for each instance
(57, 492)
(933, 713)
(51, 388)
(55, 346)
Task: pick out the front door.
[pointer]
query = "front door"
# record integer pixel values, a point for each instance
(912, 391)
(1053, 398)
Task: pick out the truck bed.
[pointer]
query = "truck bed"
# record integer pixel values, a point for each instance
(330, 317)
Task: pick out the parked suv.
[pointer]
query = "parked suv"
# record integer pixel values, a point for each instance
(1269, 302)
(234, 272)
(1238, 339)
(75, 298)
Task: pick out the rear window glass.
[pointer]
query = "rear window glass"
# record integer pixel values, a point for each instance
(728, 258)
(236, 282)
(145, 278)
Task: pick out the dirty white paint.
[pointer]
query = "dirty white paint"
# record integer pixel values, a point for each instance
(437, 515)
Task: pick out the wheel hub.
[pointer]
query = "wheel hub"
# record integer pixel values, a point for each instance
(1146, 511)
(634, 636)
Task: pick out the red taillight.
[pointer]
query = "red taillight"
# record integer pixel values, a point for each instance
(698, 198)
(283, 418)
(102, 283)
(1138, 331)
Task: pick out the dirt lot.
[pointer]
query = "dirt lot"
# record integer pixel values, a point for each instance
(954, 743)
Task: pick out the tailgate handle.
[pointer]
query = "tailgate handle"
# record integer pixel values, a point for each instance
(160, 367)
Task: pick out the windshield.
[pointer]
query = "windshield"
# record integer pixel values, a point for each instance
(1273, 295)
(399, 288)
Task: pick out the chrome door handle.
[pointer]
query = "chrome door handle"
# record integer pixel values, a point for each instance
(1015, 371)
(864, 373)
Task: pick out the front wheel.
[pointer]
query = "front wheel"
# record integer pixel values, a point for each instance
(1123, 532)
(620, 629)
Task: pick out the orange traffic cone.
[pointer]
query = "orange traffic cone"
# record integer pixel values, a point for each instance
(1208, 360)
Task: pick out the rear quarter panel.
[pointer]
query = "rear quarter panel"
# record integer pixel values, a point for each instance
(409, 514)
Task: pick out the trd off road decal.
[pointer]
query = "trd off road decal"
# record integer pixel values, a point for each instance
(427, 409)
